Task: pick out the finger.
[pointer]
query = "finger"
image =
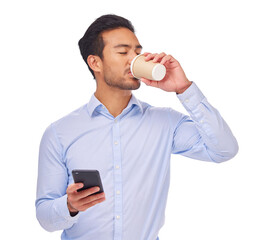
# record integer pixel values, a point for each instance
(144, 80)
(91, 204)
(158, 57)
(85, 193)
(78, 203)
(91, 198)
(167, 58)
(146, 53)
(149, 82)
(74, 187)
(150, 56)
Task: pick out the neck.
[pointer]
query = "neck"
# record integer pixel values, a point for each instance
(115, 100)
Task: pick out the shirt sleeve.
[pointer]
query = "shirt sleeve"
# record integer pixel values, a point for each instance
(51, 200)
(204, 135)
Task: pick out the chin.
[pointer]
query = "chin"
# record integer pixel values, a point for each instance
(132, 86)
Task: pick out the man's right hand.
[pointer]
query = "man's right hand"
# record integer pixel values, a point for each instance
(80, 201)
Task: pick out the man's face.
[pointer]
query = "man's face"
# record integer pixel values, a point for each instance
(121, 46)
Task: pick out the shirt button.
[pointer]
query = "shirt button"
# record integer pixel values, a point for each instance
(117, 217)
(117, 192)
(117, 167)
(115, 120)
(187, 100)
(103, 107)
(115, 142)
(201, 121)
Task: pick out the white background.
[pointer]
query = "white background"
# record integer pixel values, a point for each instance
(43, 77)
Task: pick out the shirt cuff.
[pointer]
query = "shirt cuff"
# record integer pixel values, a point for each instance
(61, 208)
(191, 98)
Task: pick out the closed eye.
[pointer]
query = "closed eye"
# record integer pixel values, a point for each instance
(122, 52)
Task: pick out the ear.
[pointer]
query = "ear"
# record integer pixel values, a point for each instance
(95, 63)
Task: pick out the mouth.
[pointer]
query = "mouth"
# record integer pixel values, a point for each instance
(130, 74)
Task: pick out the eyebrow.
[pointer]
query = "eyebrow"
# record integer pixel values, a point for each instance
(127, 46)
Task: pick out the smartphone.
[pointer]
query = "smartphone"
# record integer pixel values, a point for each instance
(90, 178)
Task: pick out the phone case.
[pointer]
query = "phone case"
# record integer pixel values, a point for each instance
(90, 178)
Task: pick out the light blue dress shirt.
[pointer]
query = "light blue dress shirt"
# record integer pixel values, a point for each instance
(132, 152)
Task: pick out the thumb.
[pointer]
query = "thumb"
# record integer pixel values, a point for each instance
(149, 82)
(74, 187)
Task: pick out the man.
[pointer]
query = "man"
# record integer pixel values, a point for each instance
(128, 141)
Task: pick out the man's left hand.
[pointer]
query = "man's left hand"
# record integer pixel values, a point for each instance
(175, 79)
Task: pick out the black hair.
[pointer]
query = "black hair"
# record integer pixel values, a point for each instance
(92, 42)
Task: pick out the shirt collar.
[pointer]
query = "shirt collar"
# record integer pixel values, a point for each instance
(95, 103)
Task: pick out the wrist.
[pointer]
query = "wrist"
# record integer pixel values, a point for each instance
(73, 211)
(183, 89)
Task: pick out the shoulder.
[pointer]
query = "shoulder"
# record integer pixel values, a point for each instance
(72, 118)
(69, 125)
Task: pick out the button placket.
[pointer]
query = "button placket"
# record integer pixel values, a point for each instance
(117, 181)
